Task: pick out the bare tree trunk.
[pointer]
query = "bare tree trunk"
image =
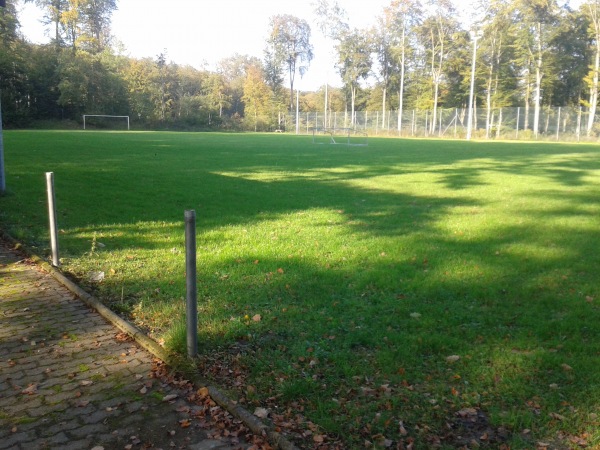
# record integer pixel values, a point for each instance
(401, 93)
(383, 108)
(593, 9)
(538, 81)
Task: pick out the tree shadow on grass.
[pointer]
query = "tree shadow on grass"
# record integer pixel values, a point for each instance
(512, 302)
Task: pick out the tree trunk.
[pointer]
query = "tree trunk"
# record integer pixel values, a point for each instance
(383, 108)
(538, 81)
(401, 93)
(353, 113)
(594, 86)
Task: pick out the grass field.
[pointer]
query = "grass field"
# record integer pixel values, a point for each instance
(432, 293)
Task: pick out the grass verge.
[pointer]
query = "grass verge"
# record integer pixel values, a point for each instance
(427, 292)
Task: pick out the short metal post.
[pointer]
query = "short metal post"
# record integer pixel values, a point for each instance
(52, 218)
(192, 295)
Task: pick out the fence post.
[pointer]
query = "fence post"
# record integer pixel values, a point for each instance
(558, 124)
(52, 217)
(190, 274)
(578, 132)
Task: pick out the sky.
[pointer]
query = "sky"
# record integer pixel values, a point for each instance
(200, 33)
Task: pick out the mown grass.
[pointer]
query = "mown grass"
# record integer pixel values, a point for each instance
(368, 266)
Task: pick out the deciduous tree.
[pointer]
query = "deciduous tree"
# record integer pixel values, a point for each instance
(354, 62)
(289, 41)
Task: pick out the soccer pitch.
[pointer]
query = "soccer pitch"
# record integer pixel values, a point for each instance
(385, 291)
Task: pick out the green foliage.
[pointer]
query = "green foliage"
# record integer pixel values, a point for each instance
(290, 48)
(422, 53)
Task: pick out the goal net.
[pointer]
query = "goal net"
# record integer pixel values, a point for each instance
(105, 122)
(339, 136)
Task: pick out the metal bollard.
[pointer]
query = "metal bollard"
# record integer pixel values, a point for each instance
(192, 295)
(52, 216)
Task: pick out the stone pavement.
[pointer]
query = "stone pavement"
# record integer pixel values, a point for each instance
(69, 380)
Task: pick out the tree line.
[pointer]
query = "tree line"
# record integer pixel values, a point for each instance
(417, 55)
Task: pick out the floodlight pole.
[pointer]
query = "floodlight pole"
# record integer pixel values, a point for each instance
(474, 35)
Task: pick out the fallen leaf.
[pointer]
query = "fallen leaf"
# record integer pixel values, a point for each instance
(566, 367)
(261, 413)
(280, 270)
(257, 318)
(203, 392)
(185, 423)
(30, 390)
(170, 397)
(467, 412)
(557, 416)
(452, 358)
(401, 428)
(318, 438)
(143, 390)
(86, 383)
(96, 277)
(415, 315)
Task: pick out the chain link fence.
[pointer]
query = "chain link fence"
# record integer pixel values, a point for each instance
(556, 123)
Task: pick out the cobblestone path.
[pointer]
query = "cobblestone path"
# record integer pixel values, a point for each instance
(69, 380)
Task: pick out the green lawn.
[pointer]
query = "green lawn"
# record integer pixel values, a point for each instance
(442, 293)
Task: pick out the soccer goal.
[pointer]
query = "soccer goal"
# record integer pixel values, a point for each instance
(339, 136)
(105, 121)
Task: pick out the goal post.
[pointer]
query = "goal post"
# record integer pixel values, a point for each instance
(85, 116)
(345, 136)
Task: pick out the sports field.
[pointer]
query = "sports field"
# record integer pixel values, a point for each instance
(424, 292)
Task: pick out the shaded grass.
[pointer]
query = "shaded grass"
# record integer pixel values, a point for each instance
(368, 266)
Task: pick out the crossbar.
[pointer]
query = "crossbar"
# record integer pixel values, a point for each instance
(105, 115)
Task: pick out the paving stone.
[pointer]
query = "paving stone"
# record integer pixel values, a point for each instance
(12, 440)
(88, 382)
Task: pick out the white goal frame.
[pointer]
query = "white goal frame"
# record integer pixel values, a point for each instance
(105, 115)
(340, 136)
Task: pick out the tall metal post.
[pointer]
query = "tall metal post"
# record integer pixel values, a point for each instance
(52, 218)
(192, 295)
(474, 35)
(2, 178)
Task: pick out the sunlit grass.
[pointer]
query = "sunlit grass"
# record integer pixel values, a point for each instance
(368, 267)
